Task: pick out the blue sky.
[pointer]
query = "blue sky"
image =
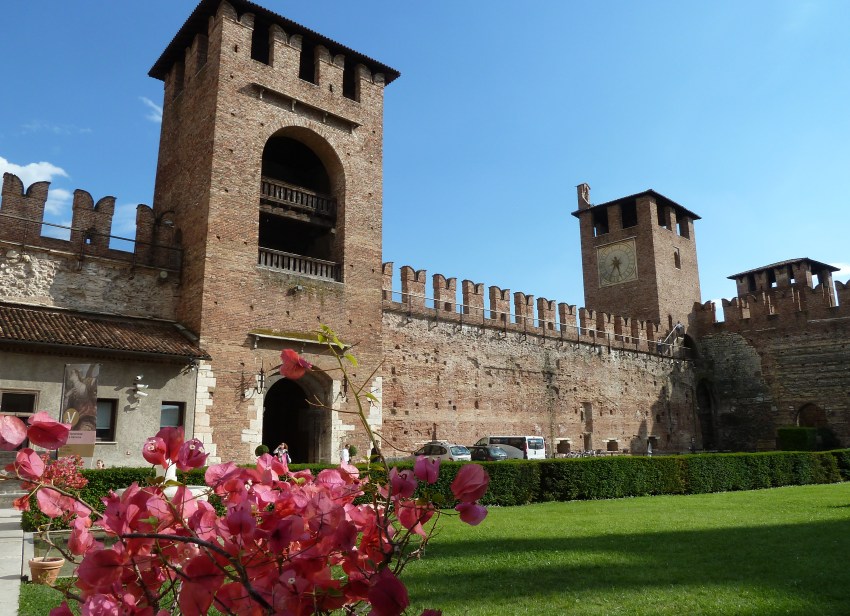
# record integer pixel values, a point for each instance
(736, 110)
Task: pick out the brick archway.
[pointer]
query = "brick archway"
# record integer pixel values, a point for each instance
(289, 417)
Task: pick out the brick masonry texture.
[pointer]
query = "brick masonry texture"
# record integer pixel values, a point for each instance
(467, 381)
(455, 361)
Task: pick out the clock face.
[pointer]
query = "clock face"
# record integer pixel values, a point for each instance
(617, 263)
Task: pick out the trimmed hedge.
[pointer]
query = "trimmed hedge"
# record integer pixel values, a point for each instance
(519, 482)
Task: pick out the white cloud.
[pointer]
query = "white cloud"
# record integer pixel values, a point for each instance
(58, 200)
(57, 129)
(154, 110)
(33, 172)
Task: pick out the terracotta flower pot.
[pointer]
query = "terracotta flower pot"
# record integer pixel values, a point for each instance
(45, 570)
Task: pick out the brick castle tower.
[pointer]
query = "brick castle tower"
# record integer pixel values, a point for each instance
(639, 257)
(269, 175)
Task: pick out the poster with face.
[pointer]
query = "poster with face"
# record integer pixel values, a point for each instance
(79, 397)
(79, 408)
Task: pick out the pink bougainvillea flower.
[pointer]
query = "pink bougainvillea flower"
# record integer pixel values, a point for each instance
(427, 469)
(29, 465)
(191, 455)
(22, 503)
(203, 578)
(217, 474)
(81, 540)
(62, 610)
(471, 483)
(154, 451)
(403, 483)
(387, 594)
(53, 504)
(12, 432)
(471, 513)
(46, 432)
(292, 365)
(413, 516)
(173, 439)
(101, 568)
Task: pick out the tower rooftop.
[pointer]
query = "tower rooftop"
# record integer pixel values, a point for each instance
(197, 22)
(658, 196)
(814, 266)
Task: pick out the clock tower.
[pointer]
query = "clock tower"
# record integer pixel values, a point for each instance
(639, 257)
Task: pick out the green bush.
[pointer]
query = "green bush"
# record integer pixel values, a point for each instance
(518, 482)
(260, 450)
(613, 477)
(842, 459)
(795, 438)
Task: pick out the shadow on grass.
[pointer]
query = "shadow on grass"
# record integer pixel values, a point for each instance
(803, 562)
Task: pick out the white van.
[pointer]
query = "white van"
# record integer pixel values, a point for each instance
(527, 447)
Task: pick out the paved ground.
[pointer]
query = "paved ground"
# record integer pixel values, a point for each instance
(11, 557)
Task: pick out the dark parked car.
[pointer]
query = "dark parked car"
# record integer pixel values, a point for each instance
(488, 453)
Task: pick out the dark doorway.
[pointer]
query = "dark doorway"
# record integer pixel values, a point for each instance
(812, 416)
(286, 420)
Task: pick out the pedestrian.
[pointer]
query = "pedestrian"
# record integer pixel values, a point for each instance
(282, 453)
(100, 464)
(344, 455)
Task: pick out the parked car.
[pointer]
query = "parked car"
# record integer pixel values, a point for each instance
(444, 451)
(527, 447)
(487, 453)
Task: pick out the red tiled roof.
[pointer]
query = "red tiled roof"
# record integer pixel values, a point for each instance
(27, 325)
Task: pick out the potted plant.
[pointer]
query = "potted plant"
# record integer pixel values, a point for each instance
(45, 569)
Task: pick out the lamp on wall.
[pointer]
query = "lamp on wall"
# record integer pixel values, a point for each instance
(259, 384)
(137, 392)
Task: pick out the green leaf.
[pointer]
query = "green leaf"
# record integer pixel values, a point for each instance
(351, 359)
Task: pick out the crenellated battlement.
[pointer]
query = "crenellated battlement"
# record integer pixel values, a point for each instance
(518, 312)
(283, 62)
(22, 221)
(789, 307)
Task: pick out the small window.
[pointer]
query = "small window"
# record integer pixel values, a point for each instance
(628, 213)
(600, 221)
(105, 430)
(677, 259)
(171, 415)
(536, 443)
(663, 216)
(17, 402)
(683, 223)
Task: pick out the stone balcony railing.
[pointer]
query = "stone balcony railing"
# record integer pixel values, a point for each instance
(297, 264)
(286, 195)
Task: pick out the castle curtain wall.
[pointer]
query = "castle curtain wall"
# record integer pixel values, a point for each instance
(761, 379)
(463, 382)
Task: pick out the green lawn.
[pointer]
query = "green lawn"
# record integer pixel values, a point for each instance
(779, 551)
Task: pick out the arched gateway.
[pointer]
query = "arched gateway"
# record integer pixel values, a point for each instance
(294, 413)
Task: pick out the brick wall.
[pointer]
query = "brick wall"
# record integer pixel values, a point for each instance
(467, 381)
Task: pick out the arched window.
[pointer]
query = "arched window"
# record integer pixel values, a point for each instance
(298, 210)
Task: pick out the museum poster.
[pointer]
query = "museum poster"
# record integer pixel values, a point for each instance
(79, 408)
